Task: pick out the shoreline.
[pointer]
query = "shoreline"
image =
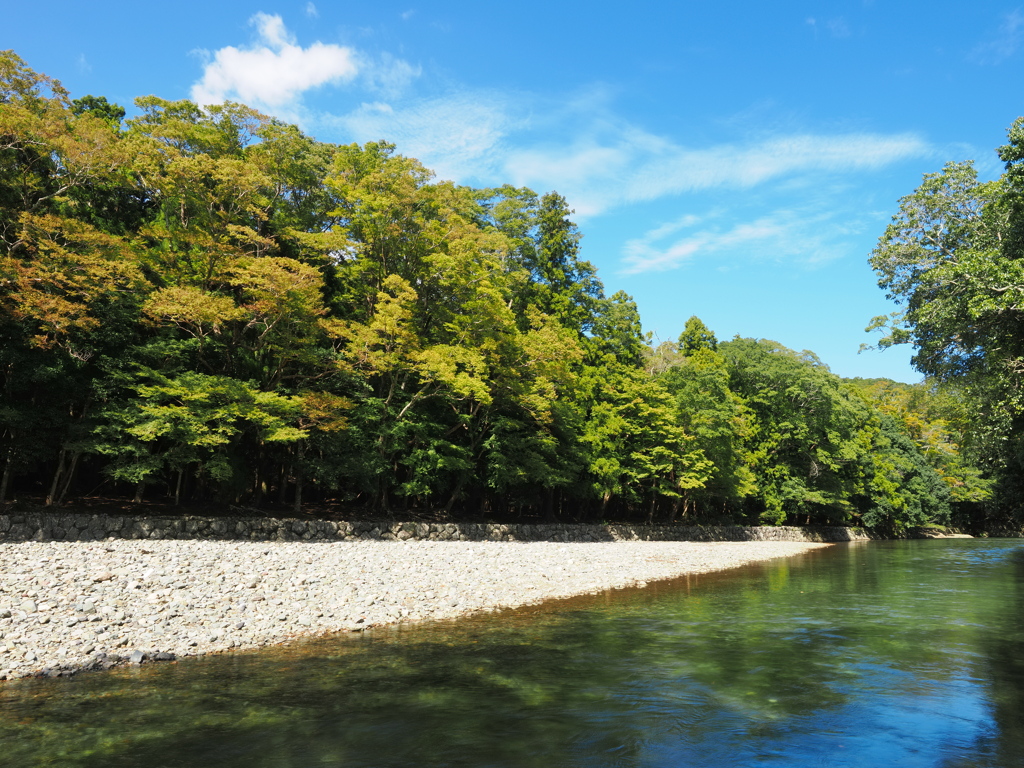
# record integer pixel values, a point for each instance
(72, 606)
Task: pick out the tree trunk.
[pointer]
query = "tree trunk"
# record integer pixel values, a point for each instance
(257, 482)
(177, 487)
(455, 495)
(56, 477)
(549, 505)
(5, 479)
(8, 468)
(70, 477)
(139, 488)
(298, 478)
(282, 489)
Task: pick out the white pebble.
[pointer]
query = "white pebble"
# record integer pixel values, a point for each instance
(193, 588)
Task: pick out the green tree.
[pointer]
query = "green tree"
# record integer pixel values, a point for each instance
(804, 448)
(935, 418)
(617, 331)
(565, 286)
(636, 451)
(192, 422)
(721, 425)
(952, 260)
(98, 106)
(696, 336)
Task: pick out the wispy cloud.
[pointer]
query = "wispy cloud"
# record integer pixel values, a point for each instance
(275, 71)
(783, 234)
(681, 169)
(836, 27)
(312, 11)
(1005, 43)
(603, 161)
(389, 76)
(460, 137)
(636, 166)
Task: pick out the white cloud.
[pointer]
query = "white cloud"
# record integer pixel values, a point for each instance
(485, 137)
(781, 234)
(671, 227)
(460, 137)
(1005, 43)
(590, 175)
(275, 71)
(312, 11)
(603, 161)
(272, 30)
(637, 166)
(682, 169)
(838, 27)
(389, 76)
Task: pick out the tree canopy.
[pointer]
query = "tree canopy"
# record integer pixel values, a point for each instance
(952, 260)
(206, 304)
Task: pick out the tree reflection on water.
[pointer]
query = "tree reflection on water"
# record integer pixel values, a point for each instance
(903, 653)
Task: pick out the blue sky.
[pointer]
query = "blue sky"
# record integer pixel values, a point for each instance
(735, 160)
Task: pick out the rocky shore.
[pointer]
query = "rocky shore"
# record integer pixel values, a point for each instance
(68, 606)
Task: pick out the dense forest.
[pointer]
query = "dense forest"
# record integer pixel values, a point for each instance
(206, 306)
(953, 259)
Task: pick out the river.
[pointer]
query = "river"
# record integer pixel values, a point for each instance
(907, 653)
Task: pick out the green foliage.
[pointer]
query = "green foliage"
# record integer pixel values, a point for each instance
(98, 106)
(206, 302)
(934, 417)
(617, 331)
(901, 490)
(952, 259)
(634, 447)
(820, 453)
(191, 420)
(803, 439)
(696, 336)
(721, 426)
(564, 286)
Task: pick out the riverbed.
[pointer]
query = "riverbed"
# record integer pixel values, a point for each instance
(902, 653)
(69, 606)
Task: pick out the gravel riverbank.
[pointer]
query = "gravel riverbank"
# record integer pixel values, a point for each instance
(67, 606)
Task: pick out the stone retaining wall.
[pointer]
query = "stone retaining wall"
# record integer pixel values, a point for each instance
(45, 526)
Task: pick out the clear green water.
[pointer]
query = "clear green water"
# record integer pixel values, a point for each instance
(877, 654)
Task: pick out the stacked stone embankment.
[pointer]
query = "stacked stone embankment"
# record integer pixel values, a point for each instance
(44, 526)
